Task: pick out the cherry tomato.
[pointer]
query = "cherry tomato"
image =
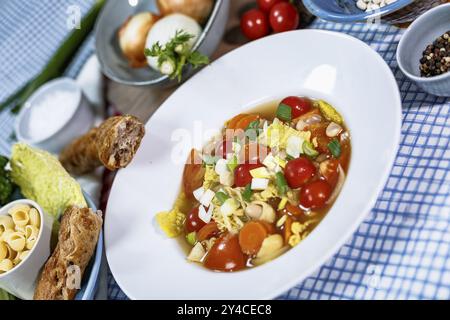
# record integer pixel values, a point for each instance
(242, 176)
(254, 24)
(223, 148)
(299, 106)
(298, 172)
(315, 194)
(284, 17)
(225, 254)
(266, 5)
(193, 222)
(208, 231)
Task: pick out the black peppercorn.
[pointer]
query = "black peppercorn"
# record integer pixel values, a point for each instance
(435, 58)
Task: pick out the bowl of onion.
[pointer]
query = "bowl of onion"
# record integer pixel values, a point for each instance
(158, 42)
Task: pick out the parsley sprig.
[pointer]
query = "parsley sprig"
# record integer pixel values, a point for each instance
(176, 54)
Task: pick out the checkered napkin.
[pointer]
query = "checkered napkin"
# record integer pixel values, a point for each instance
(401, 250)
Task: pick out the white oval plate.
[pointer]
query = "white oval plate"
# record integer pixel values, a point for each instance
(331, 66)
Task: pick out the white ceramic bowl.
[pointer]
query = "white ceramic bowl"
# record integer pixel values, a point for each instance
(422, 32)
(78, 122)
(319, 64)
(21, 280)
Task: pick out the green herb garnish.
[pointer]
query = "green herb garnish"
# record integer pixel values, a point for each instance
(222, 197)
(191, 238)
(253, 130)
(335, 148)
(284, 112)
(309, 150)
(282, 185)
(247, 193)
(176, 54)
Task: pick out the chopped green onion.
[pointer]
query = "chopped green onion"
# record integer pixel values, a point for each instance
(284, 112)
(335, 148)
(247, 193)
(289, 158)
(232, 163)
(282, 185)
(191, 238)
(309, 150)
(222, 196)
(252, 130)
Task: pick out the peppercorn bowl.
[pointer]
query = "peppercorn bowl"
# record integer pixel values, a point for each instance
(423, 32)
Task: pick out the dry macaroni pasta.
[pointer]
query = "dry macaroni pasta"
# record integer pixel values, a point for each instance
(19, 231)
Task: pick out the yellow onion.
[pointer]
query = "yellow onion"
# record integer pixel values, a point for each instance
(199, 10)
(133, 35)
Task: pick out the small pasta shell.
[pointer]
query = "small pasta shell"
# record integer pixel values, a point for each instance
(35, 218)
(16, 241)
(11, 253)
(6, 223)
(6, 265)
(3, 250)
(30, 243)
(19, 207)
(31, 232)
(5, 235)
(20, 217)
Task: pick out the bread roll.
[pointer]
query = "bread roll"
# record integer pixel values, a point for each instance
(77, 240)
(113, 144)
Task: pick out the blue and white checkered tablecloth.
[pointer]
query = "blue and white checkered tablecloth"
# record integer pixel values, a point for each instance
(400, 251)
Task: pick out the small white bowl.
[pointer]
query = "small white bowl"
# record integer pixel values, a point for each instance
(427, 28)
(76, 124)
(21, 280)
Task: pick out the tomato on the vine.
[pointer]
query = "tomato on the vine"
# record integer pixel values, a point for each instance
(284, 17)
(266, 5)
(254, 24)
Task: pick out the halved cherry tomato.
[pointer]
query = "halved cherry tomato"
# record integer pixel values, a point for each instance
(329, 170)
(193, 222)
(299, 105)
(266, 5)
(244, 122)
(193, 173)
(208, 231)
(251, 237)
(254, 24)
(298, 172)
(225, 254)
(242, 176)
(284, 17)
(231, 124)
(315, 194)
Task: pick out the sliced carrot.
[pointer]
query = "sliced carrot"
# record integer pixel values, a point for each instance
(287, 229)
(270, 227)
(207, 231)
(244, 122)
(231, 124)
(251, 237)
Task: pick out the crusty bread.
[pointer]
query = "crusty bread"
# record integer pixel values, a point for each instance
(113, 144)
(77, 239)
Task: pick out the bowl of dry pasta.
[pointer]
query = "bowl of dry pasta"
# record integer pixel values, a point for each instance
(25, 232)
